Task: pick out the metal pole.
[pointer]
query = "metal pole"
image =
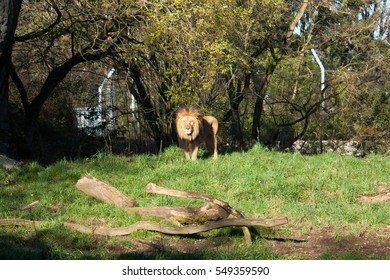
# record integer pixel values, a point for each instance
(319, 62)
(100, 90)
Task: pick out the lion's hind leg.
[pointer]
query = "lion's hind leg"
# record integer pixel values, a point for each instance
(215, 152)
(211, 145)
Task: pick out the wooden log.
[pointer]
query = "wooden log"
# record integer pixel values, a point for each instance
(150, 226)
(155, 189)
(104, 192)
(55, 208)
(216, 210)
(184, 215)
(19, 222)
(29, 206)
(214, 214)
(188, 215)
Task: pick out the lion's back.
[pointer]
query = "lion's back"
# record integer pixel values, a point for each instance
(212, 123)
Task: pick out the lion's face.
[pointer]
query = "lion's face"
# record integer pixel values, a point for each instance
(188, 124)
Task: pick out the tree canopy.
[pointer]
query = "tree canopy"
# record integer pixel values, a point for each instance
(248, 62)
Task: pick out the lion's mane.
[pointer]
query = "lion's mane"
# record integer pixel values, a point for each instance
(193, 129)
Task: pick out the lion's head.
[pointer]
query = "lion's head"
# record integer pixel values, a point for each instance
(188, 123)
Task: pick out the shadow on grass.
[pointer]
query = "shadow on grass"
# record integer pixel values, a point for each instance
(13, 247)
(58, 243)
(53, 244)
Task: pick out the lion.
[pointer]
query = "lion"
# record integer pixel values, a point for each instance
(193, 129)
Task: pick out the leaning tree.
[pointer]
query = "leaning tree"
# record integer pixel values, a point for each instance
(9, 13)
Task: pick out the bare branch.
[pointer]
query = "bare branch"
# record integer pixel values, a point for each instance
(177, 230)
(39, 33)
(297, 17)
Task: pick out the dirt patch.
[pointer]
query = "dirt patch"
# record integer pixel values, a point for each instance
(325, 243)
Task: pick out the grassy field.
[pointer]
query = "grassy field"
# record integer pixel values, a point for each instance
(316, 193)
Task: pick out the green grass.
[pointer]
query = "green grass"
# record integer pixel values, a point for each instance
(312, 191)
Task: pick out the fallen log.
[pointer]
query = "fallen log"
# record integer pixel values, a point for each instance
(29, 206)
(187, 215)
(155, 189)
(216, 211)
(19, 222)
(55, 208)
(211, 216)
(150, 226)
(157, 227)
(184, 215)
(104, 192)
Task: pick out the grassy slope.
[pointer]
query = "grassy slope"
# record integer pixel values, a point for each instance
(313, 191)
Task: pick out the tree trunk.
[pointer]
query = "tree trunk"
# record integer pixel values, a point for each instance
(139, 91)
(236, 95)
(261, 87)
(9, 14)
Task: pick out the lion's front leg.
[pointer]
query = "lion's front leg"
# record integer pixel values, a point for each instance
(186, 148)
(195, 152)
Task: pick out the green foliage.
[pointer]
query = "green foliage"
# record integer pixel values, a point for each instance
(232, 58)
(312, 191)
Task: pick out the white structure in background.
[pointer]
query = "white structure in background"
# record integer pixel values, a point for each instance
(91, 119)
(88, 120)
(134, 118)
(319, 62)
(110, 116)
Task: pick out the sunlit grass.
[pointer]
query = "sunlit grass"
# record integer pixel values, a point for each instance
(312, 191)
